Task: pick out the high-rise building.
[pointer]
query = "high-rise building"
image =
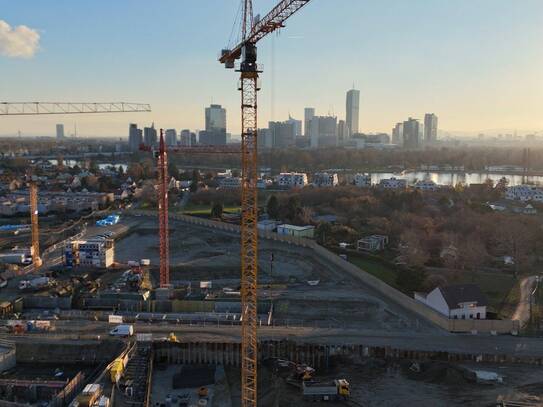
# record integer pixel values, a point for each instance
(170, 137)
(215, 118)
(353, 111)
(60, 131)
(411, 133)
(283, 134)
(342, 132)
(430, 128)
(150, 137)
(135, 137)
(297, 125)
(187, 138)
(397, 134)
(323, 131)
(265, 139)
(215, 132)
(309, 113)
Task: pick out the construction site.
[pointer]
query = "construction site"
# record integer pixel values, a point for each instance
(150, 307)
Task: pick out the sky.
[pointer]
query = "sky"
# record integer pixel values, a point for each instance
(477, 64)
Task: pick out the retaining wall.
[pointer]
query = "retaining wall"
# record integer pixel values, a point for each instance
(317, 356)
(498, 326)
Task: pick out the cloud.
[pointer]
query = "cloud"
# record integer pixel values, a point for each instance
(18, 42)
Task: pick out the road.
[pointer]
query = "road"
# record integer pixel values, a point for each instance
(522, 312)
(444, 342)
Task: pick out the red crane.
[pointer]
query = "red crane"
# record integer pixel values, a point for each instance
(164, 232)
(252, 32)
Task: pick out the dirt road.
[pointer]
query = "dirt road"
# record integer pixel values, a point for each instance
(522, 313)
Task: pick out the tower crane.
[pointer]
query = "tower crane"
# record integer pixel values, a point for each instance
(251, 32)
(40, 108)
(162, 167)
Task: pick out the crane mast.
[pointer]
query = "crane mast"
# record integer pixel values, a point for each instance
(35, 232)
(249, 75)
(163, 213)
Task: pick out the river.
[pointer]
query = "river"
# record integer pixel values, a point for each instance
(453, 178)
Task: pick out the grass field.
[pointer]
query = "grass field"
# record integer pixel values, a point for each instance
(376, 268)
(206, 209)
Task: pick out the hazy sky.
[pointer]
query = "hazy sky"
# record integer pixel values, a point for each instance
(478, 64)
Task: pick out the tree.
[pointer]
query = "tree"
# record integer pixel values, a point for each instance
(173, 171)
(412, 249)
(216, 210)
(120, 170)
(272, 207)
(135, 171)
(411, 279)
(323, 232)
(291, 210)
(195, 181)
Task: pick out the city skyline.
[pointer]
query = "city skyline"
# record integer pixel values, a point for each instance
(482, 77)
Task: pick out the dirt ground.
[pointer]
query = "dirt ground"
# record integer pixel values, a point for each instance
(201, 254)
(375, 383)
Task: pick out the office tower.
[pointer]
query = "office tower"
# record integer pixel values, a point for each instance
(135, 137)
(352, 113)
(60, 131)
(170, 137)
(430, 127)
(150, 137)
(215, 121)
(309, 113)
(342, 132)
(397, 134)
(297, 125)
(265, 139)
(411, 133)
(323, 131)
(215, 118)
(187, 138)
(283, 134)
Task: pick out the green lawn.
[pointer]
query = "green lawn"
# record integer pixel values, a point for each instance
(206, 209)
(375, 268)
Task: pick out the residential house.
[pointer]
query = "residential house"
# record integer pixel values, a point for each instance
(462, 301)
(362, 180)
(393, 183)
(292, 180)
(325, 179)
(372, 243)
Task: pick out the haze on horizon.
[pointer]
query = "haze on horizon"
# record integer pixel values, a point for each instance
(477, 64)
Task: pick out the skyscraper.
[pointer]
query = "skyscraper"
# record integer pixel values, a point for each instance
(215, 132)
(297, 125)
(60, 131)
(283, 134)
(309, 113)
(397, 134)
(170, 137)
(352, 112)
(342, 132)
(323, 131)
(430, 128)
(215, 118)
(150, 137)
(411, 133)
(187, 138)
(135, 137)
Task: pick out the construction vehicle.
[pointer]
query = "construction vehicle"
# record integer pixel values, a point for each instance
(326, 391)
(35, 284)
(252, 31)
(90, 394)
(295, 371)
(172, 338)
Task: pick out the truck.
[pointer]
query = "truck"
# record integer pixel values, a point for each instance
(35, 284)
(124, 330)
(326, 391)
(90, 394)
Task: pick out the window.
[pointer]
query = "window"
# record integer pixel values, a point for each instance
(478, 315)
